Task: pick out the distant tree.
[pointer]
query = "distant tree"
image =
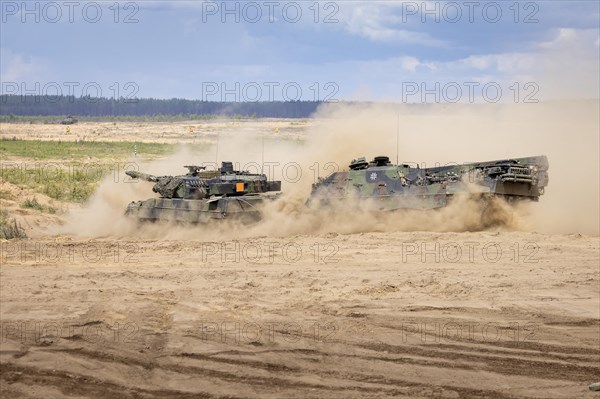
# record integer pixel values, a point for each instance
(31, 105)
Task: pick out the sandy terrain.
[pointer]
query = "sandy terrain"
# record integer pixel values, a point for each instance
(362, 315)
(342, 310)
(163, 132)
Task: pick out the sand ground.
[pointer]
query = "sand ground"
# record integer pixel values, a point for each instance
(490, 314)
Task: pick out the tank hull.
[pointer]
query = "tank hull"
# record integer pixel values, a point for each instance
(244, 208)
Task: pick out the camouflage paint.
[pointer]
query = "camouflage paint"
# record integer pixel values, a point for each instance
(201, 196)
(379, 185)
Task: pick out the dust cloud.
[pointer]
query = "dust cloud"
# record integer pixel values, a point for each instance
(429, 135)
(567, 132)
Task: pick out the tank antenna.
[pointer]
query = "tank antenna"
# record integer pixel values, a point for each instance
(397, 137)
(217, 151)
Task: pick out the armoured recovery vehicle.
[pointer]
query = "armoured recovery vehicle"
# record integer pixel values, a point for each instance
(380, 185)
(200, 195)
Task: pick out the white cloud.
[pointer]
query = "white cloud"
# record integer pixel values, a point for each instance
(409, 63)
(501, 64)
(571, 37)
(379, 21)
(566, 67)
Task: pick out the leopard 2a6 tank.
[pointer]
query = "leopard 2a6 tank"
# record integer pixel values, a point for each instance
(380, 185)
(201, 196)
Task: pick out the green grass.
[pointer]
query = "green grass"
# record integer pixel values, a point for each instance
(69, 150)
(55, 119)
(73, 179)
(72, 183)
(30, 203)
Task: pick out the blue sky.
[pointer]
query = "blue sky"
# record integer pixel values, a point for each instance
(345, 50)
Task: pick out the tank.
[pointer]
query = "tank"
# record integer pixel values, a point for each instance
(381, 185)
(69, 120)
(200, 196)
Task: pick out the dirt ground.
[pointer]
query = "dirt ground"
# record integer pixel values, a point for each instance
(453, 315)
(415, 314)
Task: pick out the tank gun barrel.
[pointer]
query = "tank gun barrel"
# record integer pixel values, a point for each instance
(143, 176)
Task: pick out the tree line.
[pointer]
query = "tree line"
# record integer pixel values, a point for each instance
(37, 105)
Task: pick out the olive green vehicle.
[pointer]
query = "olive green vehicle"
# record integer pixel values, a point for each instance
(69, 120)
(380, 185)
(201, 196)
